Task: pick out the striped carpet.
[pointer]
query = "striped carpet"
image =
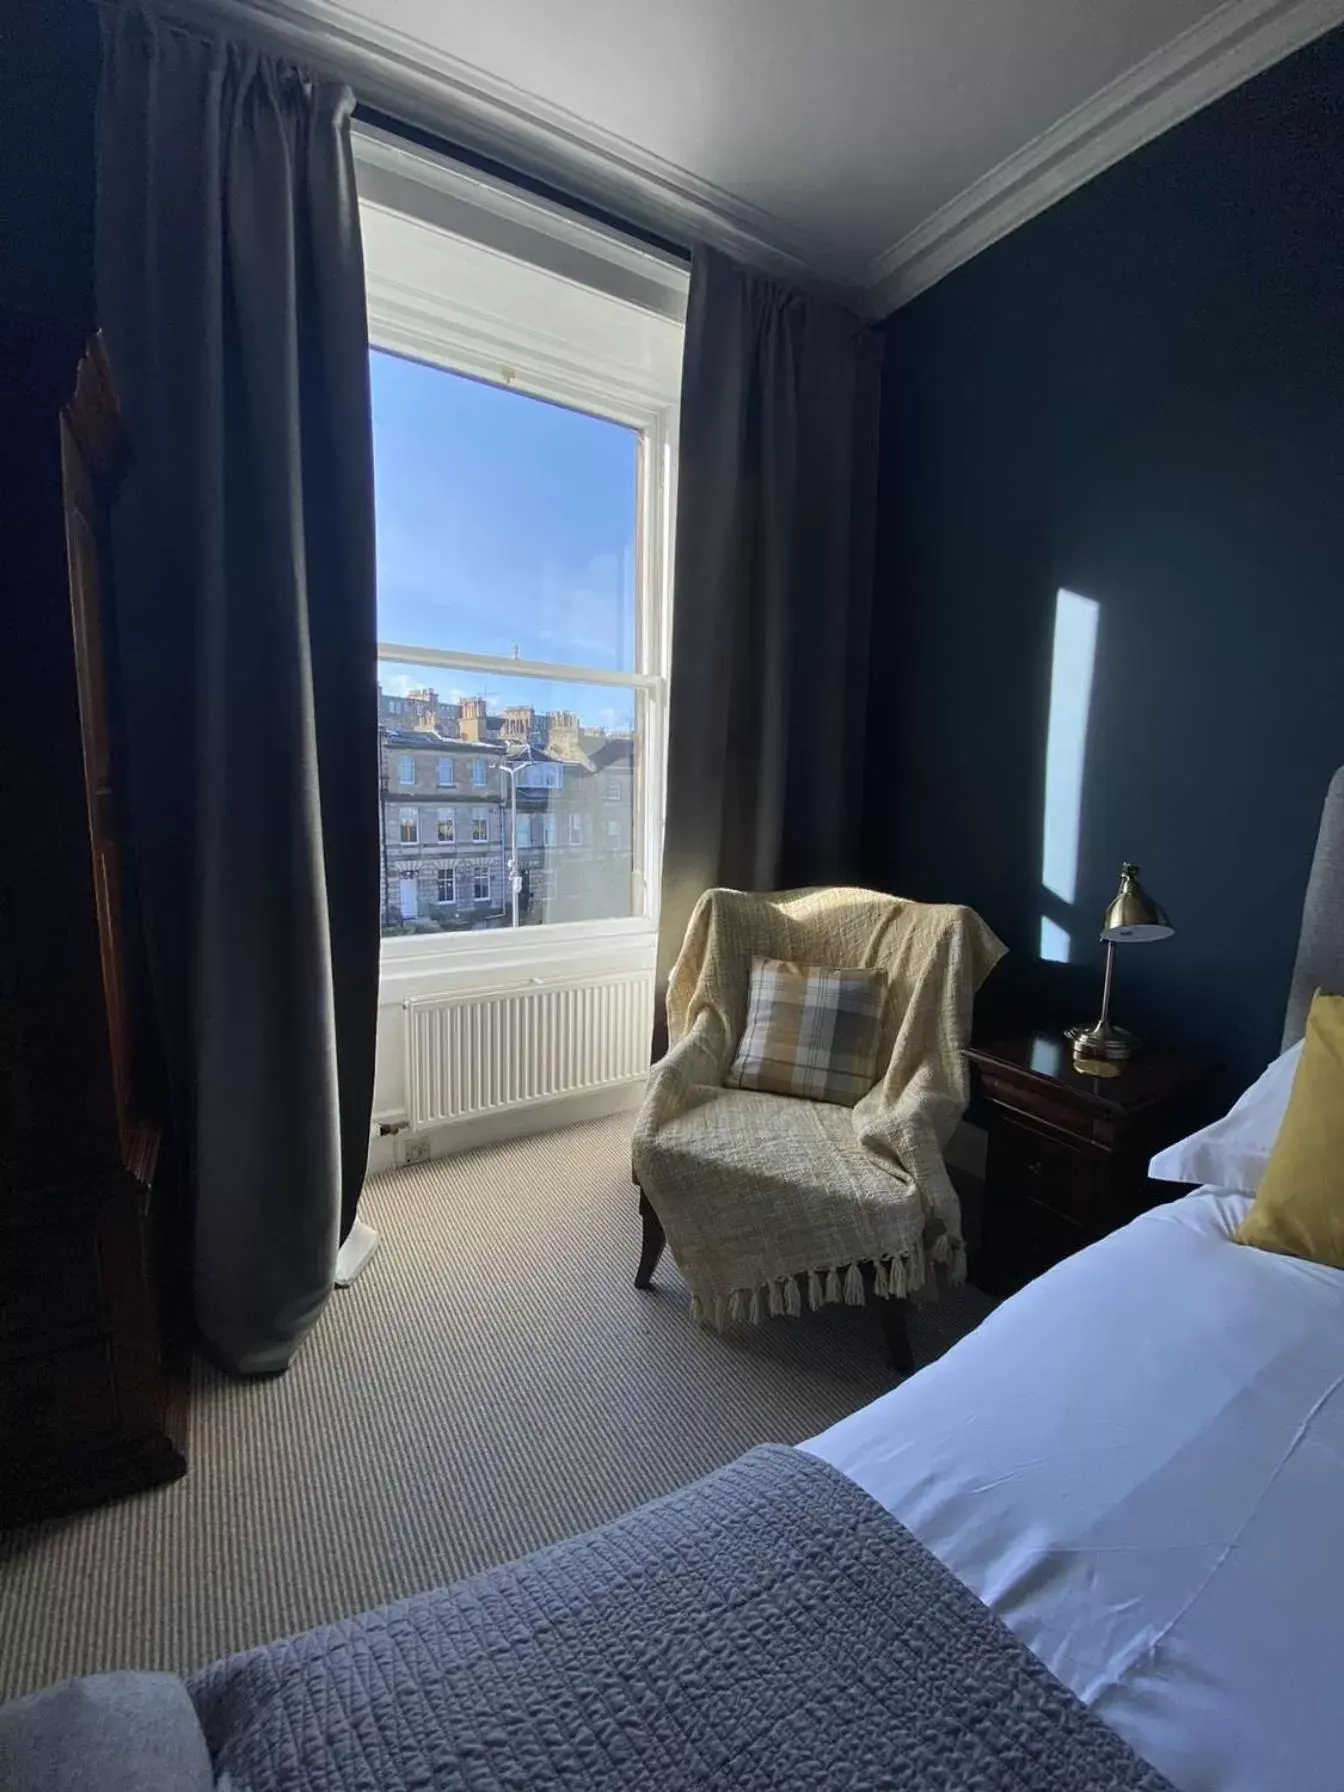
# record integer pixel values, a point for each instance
(493, 1382)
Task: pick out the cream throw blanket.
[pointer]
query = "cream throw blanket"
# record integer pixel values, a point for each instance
(764, 1197)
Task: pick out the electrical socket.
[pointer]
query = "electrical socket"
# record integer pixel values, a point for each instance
(415, 1150)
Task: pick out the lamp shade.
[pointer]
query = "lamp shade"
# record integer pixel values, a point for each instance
(1133, 916)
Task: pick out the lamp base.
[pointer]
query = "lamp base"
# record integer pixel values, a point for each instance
(1102, 1040)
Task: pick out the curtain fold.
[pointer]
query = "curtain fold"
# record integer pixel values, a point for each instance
(231, 295)
(777, 479)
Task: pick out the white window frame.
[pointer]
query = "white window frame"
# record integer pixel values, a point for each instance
(479, 774)
(575, 828)
(403, 761)
(524, 826)
(447, 870)
(550, 829)
(450, 838)
(414, 312)
(480, 818)
(414, 815)
(481, 874)
(448, 765)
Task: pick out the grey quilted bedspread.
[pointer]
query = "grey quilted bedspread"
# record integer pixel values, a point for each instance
(769, 1627)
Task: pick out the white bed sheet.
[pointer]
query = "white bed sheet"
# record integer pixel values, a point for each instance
(1138, 1464)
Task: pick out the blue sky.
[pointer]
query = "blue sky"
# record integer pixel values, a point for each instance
(503, 523)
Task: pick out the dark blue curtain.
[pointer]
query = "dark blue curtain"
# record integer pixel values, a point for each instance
(776, 487)
(231, 294)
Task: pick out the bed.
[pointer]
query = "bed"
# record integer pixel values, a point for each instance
(1138, 1464)
(1096, 1545)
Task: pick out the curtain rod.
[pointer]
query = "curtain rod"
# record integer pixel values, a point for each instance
(528, 183)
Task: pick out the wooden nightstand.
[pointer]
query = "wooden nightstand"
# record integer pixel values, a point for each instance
(1068, 1154)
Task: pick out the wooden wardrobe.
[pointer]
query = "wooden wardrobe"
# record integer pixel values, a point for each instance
(90, 1392)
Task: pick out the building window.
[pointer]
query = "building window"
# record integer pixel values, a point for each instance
(445, 833)
(613, 832)
(395, 706)
(480, 884)
(447, 883)
(410, 827)
(573, 498)
(541, 777)
(406, 769)
(409, 899)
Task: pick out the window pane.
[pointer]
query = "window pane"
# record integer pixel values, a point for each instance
(506, 525)
(576, 751)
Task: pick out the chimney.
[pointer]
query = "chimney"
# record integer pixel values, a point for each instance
(472, 721)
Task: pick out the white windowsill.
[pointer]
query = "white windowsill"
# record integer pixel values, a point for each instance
(504, 957)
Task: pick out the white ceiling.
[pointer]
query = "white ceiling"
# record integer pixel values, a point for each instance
(875, 143)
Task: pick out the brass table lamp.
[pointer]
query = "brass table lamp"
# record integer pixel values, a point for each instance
(1133, 916)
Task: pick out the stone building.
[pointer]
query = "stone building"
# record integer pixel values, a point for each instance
(448, 811)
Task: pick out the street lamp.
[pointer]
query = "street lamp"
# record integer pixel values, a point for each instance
(512, 872)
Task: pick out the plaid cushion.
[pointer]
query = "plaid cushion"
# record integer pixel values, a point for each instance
(813, 1033)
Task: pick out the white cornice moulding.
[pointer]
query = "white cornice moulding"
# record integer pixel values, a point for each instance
(1220, 53)
(413, 80)
(422, 84)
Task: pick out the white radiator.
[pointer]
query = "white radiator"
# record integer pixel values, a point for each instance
(480, 1053)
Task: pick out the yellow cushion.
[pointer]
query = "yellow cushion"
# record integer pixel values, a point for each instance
(1299, 1206)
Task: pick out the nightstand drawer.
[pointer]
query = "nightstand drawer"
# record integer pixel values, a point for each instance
(1069, 1180)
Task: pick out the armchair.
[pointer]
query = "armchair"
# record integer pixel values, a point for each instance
(767, 1200)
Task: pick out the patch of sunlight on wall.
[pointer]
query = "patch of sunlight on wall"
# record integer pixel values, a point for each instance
(1072, 664)
(1055, 941)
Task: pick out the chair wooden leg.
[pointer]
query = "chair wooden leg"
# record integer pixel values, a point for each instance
(895, 1328)
(654, 1240)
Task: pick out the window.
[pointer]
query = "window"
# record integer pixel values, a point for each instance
(613, 832)
(409, 833)
(447, 883)
(541, 777)
(395, 706)
(409, 895)
(523, 535)
(445, 835)
(406, 769)
(480, 884)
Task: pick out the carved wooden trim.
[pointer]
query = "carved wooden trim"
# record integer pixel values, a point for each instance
(94, 416)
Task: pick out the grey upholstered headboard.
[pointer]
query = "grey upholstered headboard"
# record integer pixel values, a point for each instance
(1320, 945)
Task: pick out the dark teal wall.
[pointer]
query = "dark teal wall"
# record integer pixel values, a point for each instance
(48, 85)
(1138, 396)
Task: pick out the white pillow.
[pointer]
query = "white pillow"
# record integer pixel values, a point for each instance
(1232, 1152)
